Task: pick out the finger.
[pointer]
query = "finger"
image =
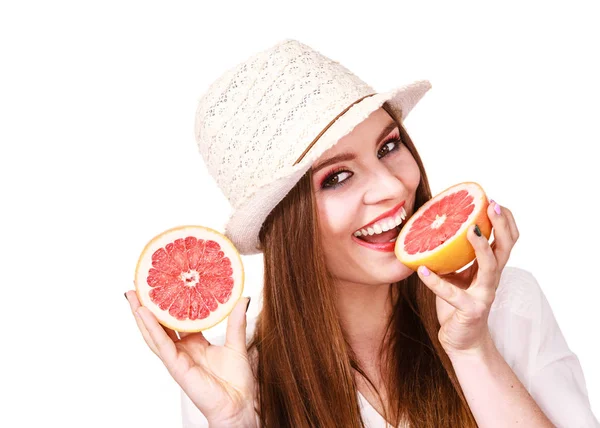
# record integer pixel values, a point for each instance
(503, 236)
(487, 263)
(164, 344)
(463, 278)
(452, 294)
(196, 335)
(172, 334)
(183, 334)
(235, 336)
(134, 304)
(514, 230)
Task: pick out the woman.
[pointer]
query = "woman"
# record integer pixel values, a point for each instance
(347, 336)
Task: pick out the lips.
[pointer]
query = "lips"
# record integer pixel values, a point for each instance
(385, 247)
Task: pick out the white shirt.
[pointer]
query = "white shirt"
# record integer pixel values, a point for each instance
(526, 334)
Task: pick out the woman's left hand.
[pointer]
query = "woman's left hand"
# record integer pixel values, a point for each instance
(464, 299)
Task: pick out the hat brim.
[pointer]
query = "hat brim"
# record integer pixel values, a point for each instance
(245, 222)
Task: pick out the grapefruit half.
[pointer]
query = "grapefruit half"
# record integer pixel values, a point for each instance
(436, 235)
(189, 277)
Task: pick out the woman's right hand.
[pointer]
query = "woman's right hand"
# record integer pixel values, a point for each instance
(218, 379)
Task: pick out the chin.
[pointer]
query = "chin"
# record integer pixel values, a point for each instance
(398, 272)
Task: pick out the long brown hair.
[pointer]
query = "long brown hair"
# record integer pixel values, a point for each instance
(305, 367)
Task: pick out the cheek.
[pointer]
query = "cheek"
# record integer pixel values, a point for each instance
(414, 178)
(408, 172)
(336, 214)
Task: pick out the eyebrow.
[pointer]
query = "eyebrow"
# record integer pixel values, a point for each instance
(351, 156)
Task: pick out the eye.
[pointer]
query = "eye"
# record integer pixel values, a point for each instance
(388, 147)
(335, 179)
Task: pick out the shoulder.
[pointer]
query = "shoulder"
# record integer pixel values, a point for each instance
(518, 293)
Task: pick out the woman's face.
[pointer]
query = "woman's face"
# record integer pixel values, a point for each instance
(368, 174)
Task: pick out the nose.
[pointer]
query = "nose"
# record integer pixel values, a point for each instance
(382, 185)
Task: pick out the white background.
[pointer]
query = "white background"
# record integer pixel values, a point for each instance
(97, 104)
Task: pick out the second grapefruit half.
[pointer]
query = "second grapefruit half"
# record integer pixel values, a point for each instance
(189, 277)
(436, 235)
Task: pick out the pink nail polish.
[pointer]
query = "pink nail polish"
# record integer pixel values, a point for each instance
(425, 271)
(497, 209)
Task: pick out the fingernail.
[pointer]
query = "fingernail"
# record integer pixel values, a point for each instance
(125, 294)
(248, 305)
(491, 201)
(497, 209)
(425, 271)
(477, 230)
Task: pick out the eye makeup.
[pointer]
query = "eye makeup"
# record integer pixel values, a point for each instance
(329, 182)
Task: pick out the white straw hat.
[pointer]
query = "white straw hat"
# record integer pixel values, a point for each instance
(262, 124)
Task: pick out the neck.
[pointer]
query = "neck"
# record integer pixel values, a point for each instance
(364, 312)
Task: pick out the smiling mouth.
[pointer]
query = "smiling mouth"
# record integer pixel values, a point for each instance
(384, 230)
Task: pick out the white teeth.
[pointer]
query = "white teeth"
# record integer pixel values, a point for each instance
(384, 225)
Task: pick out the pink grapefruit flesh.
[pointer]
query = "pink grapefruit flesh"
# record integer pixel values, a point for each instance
(189, 277)
(436, 235)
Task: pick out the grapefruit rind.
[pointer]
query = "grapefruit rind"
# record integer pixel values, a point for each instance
(144, 264)
(457, 251)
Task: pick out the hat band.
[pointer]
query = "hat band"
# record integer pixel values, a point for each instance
(329, 126)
